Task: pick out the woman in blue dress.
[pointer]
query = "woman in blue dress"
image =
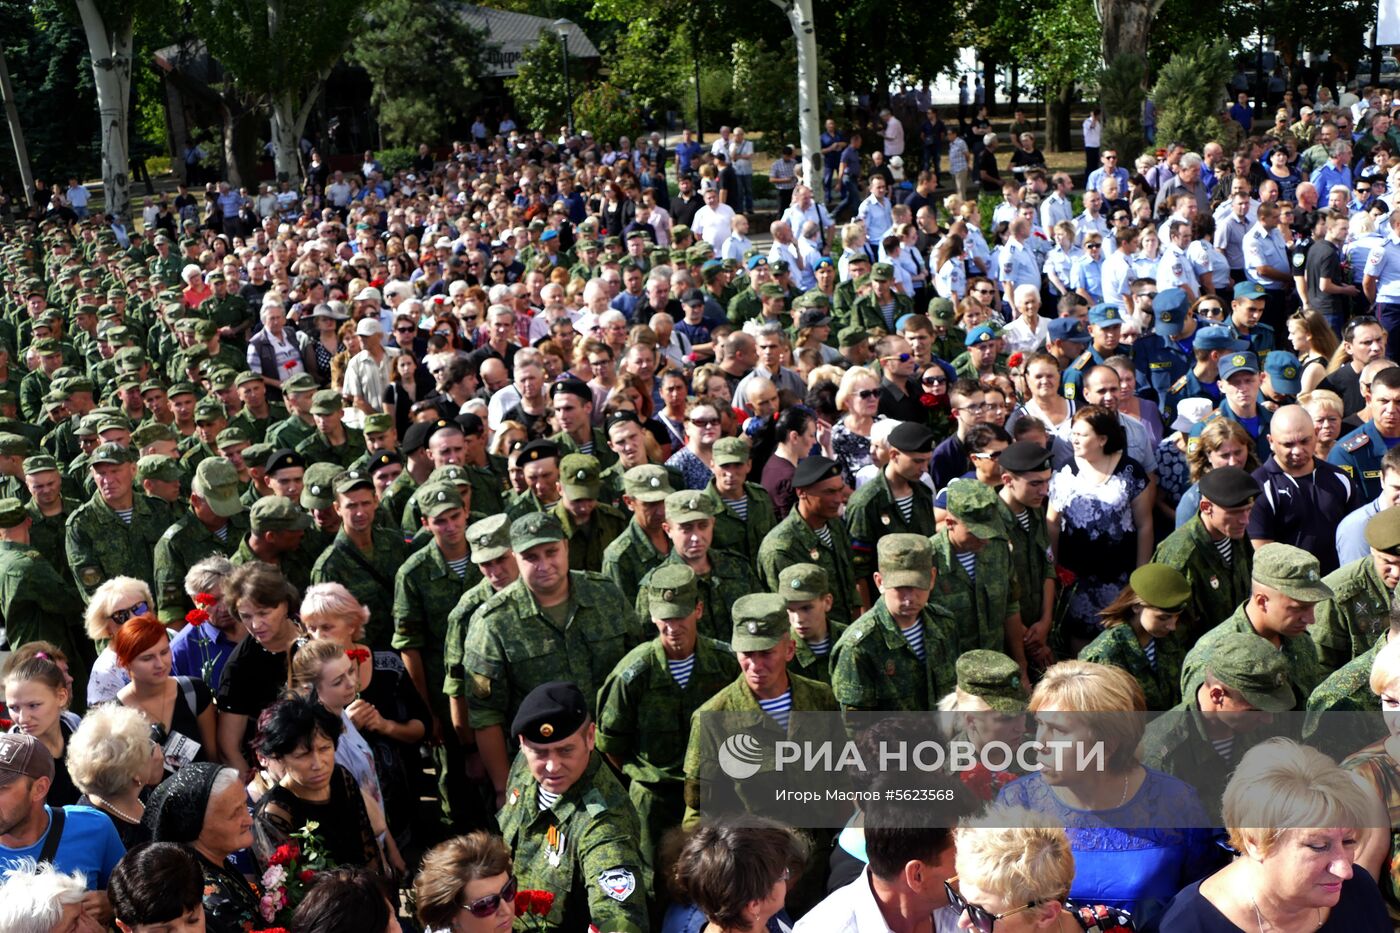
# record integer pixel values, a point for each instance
(1138, 835)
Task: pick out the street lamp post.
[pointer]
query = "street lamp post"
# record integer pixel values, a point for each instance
(561, 26)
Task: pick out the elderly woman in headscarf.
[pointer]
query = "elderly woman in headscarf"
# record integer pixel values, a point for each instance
(203, 806)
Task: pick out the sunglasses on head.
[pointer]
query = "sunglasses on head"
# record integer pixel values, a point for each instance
(486, 906)
(120, 616)
(982, 919)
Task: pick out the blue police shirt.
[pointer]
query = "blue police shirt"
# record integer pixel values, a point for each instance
(1265, 248)
(1383, 265)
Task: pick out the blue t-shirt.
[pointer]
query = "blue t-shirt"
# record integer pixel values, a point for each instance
(90, 844)
(1359, 908)
(1138, 868)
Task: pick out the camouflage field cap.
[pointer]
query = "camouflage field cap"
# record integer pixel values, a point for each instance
(672, 591)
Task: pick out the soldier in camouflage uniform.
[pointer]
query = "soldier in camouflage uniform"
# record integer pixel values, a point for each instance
(1218, 585)
(814, 533)
(252, 391)
(1348, 690)
(48, 511)
(363, 557)
(900, 655)
(539, 463)
(1139, 638)
(746, 514)
(573, 408)
(645, 705)
(814, 631)
(720, 578)
(100, 541)
(1349, 624)
(874, 509)
(762, 640)
(985, 599)
(210, 417)
(589, 524)
(1243, 673)
(643, 544)
(214, 523)
(489, 542)
(1025, 485)
(549, 623)
(568, 822)
(426, 588)
(298, 392)
(13, 450)
(332, 441)
(277, 533)
(34, 603)
(1278, 569)
(229, 314)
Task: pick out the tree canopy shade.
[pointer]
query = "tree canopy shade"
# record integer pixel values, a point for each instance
(414, 104)
(281, 52)
(538, 85)
(1189, 91)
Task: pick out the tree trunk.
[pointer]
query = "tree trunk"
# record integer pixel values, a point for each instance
(799, 14)
(1125, 26)
(989, 86)
(7, 95)
(240, 144)
(1057, 121)
(110, 47)
(1015, 87)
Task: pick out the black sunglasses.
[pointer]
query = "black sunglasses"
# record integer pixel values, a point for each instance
(486, 906)
(982, 919)
(120, 616)
(869, 393)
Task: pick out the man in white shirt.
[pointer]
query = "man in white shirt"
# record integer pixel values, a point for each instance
(338, 191)
(907, 863)
(876, 210)
(805, 208)
(371, 370)
(78, 197)
(738, 242)
(809, 249)
(784, 247)
(715, 221)
(721, 145)
(1174, 269)
(1057, 206)
(894, 135)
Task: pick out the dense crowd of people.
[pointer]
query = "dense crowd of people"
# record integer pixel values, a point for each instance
(372, 552)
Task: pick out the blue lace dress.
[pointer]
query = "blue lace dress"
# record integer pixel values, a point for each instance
(1121, 857)
(1098, 537)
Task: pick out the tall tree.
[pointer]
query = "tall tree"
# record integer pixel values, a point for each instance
(108, 26)
(418, 104)
(280, 52)
(1126, 24)
(1058, 48)
(538, 85)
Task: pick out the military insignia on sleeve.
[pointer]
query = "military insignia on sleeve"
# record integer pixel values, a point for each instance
(481, 685)
(617, 883)
(92, 576)
(885, 518)
(1215, 583)
(815, 555)
(1298, 260)
(1070, 389)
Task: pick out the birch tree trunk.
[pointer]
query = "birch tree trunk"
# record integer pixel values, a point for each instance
(799, 14)
(109, 44)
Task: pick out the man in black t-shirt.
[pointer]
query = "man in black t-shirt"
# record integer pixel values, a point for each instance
(1328, 290)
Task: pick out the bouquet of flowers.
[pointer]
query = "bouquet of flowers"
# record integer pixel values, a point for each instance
(290, 871)
(534, 904)
(197, 616)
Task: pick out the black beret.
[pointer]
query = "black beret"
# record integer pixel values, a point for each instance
(619, 417)
(576, 387)
(1228, 487)
(416, 437)
(552, 712)
(382, 459)
(538, 450)
(1025, 457)
(813, 470)
(470, 423)
(912, 438)
(286, 457)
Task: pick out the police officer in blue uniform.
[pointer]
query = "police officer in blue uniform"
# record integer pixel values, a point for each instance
(1266, 264)
(1240, 400)
(1360, 452)
(1106, 328)
(1202, 380)
(1158, 357)
(1282, 379)
(1246, 312)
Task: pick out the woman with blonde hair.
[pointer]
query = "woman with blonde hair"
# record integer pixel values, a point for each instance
(112, 759)
(1298, 822)
(466, 885)
(1327, 410)
(1221, 443)
(113, 603)
(1097, 709)
(1378, 766)
(858, 399)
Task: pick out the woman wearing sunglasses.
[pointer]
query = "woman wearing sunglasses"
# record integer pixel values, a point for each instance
(114, 602)
(465, 885)
(1014, 871)
(858, 397)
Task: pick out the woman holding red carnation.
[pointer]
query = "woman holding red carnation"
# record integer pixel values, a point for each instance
(465, 885)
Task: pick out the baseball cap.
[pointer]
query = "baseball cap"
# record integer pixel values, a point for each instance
(975, 505)
(216, 481)
(23, 755)
(1248, 663)
(534, 529)
(799, 583)
(277, 513)
(1244, 361)
(580, 476)
(647, 483)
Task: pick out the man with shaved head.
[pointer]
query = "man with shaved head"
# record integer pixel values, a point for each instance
(1303, 498)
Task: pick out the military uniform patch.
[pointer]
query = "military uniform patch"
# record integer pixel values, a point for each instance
(617, 883)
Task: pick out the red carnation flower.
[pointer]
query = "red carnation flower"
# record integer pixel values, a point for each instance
(205, 600)
(542, 901)
(523, 899)
(927, 400)
(197, 617)
(1065, 576)
(305, 875)
(358, 655)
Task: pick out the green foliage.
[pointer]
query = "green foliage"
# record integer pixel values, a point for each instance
(274, 48)
(604, 110)
(1120, 96)
(1057, 43)
(1189, 91)
(873, 42)
(765, 90)
(418, 104)
(716, 96)
(396, 159)
(650, 63)
(538, 85)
